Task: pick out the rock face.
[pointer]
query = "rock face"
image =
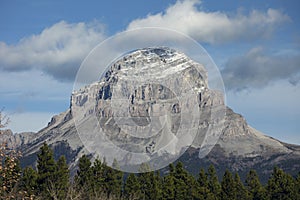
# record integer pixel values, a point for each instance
(14, 141)
(150, 105)
(120, 102)
(241, 148)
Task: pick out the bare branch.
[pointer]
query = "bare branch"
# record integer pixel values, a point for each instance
(4, 119)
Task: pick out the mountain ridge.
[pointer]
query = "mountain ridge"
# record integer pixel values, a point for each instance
(239, 147)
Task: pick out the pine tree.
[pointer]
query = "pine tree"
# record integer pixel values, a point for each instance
(181, 182)
(118, 174)
(213, 182)
(281, 185)
(157, 186)
(144, 180)
(202, 179)
(29, 181)
(204, 192)
(254, 187)
(150, 183)
(171, 169)
(98, 175)
(241, 192)
(195, 190)
(297, 186)
(228, 187)
(113, 180)
(84, 172)
(62, 178)
(46, 170)
(84, 179)
(132, 187)
(145, 184)
(168, 188)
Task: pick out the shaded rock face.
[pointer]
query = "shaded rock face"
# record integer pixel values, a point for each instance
(141, 89)
(145, 101)
(239, 147)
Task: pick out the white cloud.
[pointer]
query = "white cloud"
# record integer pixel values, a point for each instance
(57, 50)
(213, 27)
(257, 69)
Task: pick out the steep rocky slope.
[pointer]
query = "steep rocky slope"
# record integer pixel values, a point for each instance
(233, 143)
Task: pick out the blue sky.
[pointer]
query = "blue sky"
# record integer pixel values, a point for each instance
(255, 44)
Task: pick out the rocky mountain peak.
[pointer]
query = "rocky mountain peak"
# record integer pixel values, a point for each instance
(148, 102)
(145, 103)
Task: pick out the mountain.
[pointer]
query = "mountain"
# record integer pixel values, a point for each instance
(156, 104)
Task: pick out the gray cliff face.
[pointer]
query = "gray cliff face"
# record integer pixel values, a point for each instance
(239, 139)
(239, 145)
(145, 101)
(159, 95)
(15, 140)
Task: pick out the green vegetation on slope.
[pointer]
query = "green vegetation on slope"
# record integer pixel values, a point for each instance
(51, 180)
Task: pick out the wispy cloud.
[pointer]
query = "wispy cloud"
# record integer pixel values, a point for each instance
(257, 69)
(214, 27)
(57, 50)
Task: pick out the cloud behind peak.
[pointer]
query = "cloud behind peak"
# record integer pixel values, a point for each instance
(214, 27)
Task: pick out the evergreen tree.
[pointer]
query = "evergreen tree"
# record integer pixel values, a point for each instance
(181, 182)
(171, 169)
(281, 185)
(145, 184)
(62, 178)
(158, 184)
(213, 182)
(150, 183)
(84, 172)
(98, 170)
(144, 179)
(254, 187)
(297, 186)
(202, 179)
(241, 192)
(29, 181)
(228, 187)
(84, 179)
(168, 188)
(132, 187)
(113, 180)
(195, 190)
(51, 181)
(46, 170)
(204, 192)
(155, 185)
